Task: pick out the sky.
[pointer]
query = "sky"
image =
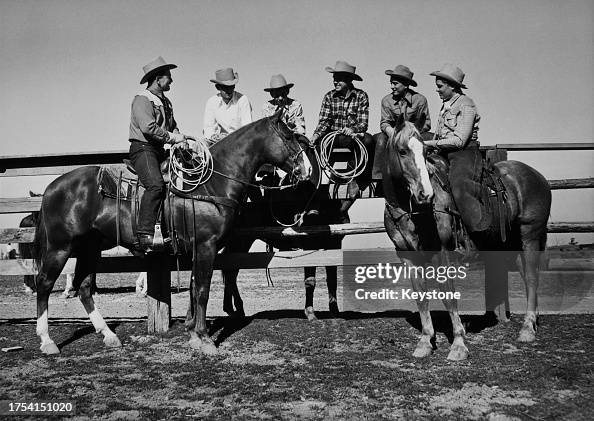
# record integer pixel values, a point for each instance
(71, 68)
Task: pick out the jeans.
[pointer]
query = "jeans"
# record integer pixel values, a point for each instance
(465, 176)
(146, 159)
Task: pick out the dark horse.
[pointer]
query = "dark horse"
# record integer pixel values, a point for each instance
(285, 206)
(76, 219)
(419, 222)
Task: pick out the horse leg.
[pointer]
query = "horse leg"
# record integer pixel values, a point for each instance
(84, 272)
(52, 264)
(530, 259)
(232, 302)
(332, 282)
(310, 286)
(141, 284)
(69, 286)
(204, 255)
(458, 350)
(426, 342)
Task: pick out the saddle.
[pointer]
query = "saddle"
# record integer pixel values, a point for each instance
(491, 195)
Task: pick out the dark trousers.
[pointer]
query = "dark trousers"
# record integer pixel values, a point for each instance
(465, 177)
(146, 159)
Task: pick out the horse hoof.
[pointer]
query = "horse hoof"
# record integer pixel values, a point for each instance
(310, 314)
(205, 347)
(458, 353)
(423, 350)
(50, 348)
(112, 342)
(527, 335)
(334, 309)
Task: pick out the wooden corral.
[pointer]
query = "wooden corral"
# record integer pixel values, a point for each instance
(159, 283)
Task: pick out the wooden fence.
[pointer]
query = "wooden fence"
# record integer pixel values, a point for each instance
(159, 283)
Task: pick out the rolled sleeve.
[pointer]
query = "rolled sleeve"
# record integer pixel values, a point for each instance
(143, 112)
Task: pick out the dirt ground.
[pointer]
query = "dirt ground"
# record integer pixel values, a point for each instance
(276, 365)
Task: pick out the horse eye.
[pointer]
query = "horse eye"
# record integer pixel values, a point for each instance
(402, 152)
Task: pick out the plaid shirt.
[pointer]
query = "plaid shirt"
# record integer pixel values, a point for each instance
(339, 112)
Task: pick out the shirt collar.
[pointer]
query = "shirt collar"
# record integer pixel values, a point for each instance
(233, 101)
(407, 97)
(351, 93)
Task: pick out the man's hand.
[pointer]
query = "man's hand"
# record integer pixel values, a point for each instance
(175, 138)
(348, 131)
(313, 141)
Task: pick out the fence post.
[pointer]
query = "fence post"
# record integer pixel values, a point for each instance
(496, 274)
(158, 279)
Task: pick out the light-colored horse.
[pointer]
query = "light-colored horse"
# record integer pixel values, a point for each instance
(419, 222)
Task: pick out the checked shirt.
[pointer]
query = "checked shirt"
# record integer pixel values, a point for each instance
(339, 112)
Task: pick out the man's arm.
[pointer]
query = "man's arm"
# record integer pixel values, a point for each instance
(362, 114)
(325, 119)
(210, 122)
(299, 120)
(461, 135)
(245, 110)
(387, 122)
(424, 119)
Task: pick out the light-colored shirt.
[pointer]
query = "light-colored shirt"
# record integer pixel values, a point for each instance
(292, 114)
(220, 118)
(414, 107)
(458, 123)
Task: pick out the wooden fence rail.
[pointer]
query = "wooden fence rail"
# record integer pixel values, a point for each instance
(159, 277)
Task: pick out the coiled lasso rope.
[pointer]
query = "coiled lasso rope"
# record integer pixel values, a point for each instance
(190, 167)
(343, 176)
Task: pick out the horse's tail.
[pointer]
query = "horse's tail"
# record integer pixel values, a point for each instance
(39, 246)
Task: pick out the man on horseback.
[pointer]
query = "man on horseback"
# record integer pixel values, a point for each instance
(228, 110)
(456, 137)
(151, 127)
(403, 101)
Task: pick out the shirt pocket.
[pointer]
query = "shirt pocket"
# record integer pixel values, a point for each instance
(451, 120)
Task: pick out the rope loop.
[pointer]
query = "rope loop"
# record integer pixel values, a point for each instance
(361, 156)
(190, 168)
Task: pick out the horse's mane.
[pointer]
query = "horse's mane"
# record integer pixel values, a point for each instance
(405, 131)
(232, 137)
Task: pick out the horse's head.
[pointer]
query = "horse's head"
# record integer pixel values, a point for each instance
(411, 157)
(288, 150)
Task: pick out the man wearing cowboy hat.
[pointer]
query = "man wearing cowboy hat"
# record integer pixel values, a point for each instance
(228, 110)
(293, 111)
(403, 101)
(456, 137)
(152, 125)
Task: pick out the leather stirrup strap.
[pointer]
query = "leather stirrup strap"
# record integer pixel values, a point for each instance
(118, 203)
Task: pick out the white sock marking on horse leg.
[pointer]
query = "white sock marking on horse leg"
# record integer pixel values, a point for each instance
(42, 329)
(417, 147)
(99, 324)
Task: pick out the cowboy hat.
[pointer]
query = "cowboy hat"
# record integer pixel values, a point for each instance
(225, 77)
(403, 74)
(277, 82)
(344, 67)
(451, 73)
(157, 64)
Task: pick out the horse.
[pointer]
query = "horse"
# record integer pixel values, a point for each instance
(285, 207)
(76, 219)
(419, 221)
